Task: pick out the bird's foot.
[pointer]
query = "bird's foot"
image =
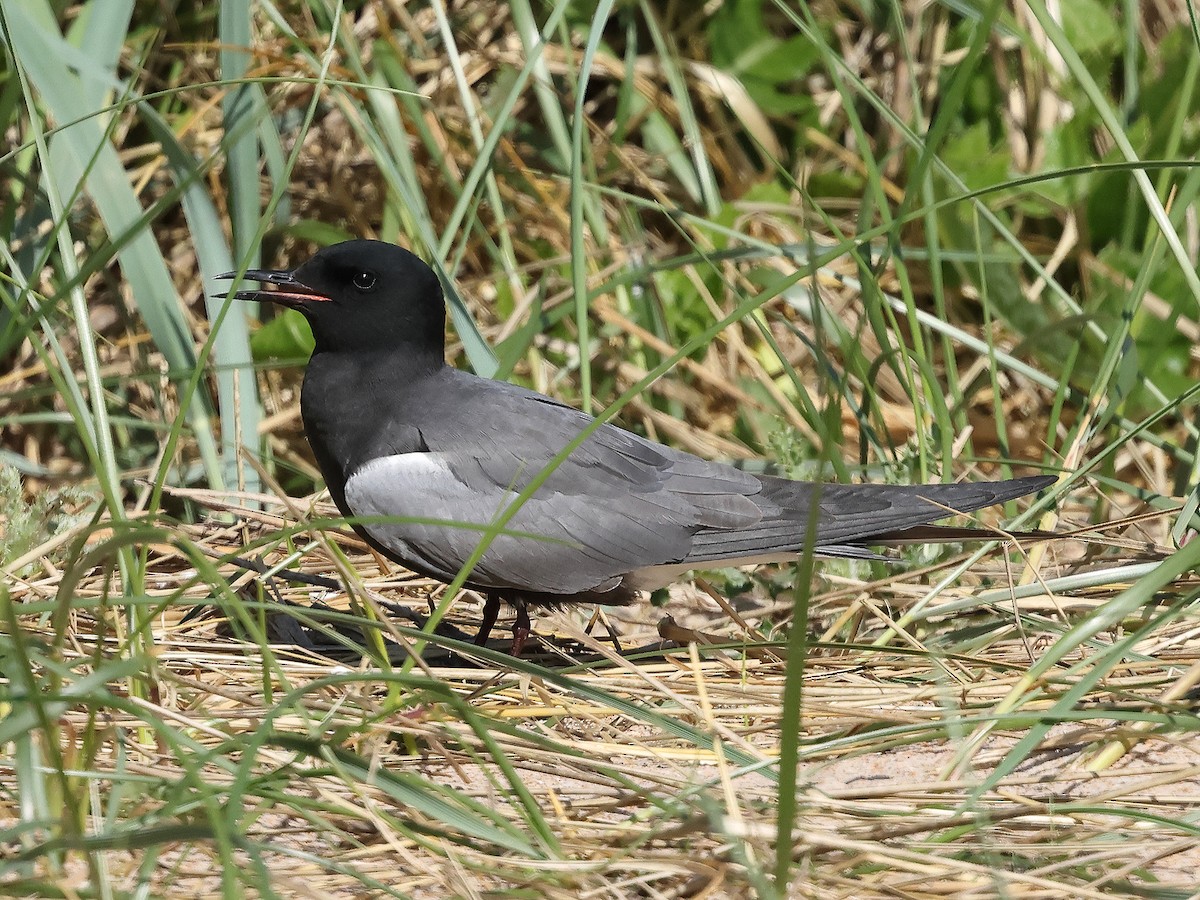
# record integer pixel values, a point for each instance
(521, 628)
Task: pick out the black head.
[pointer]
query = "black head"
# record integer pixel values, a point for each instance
(361, 296)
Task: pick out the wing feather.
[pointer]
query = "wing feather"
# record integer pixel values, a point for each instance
(617, 505)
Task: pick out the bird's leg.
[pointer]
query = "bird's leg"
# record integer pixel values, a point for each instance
(521, 627)
(491, 609)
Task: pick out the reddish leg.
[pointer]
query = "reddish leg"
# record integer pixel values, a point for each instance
(521, 628)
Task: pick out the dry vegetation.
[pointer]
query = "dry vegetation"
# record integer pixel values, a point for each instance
(997, 724)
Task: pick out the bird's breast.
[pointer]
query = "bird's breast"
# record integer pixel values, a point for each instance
(351, 417)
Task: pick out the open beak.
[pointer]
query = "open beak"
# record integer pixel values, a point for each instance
(288, 291)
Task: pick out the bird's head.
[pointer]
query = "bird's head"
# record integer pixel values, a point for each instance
(360, 296)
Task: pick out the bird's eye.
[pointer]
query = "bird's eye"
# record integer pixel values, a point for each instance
(364, 280)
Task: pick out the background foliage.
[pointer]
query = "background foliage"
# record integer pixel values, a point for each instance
(898, 241)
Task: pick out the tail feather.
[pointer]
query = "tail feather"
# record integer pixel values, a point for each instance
(856, 515)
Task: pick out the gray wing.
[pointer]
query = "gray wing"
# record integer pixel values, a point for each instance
(618, 503)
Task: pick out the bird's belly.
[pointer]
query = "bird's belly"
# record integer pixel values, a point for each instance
(436, 523)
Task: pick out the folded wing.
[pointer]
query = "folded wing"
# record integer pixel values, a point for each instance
(617, 504)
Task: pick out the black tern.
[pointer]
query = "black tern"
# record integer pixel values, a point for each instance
(399, 433)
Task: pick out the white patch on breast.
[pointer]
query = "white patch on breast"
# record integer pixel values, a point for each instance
(419, 462)
(407, 484)
(416, 485)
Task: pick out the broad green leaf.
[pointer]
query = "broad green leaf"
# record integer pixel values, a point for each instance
(285, 337)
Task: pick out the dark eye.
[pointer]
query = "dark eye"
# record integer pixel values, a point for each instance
(364, 281)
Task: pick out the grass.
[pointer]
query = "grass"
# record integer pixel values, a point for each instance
(902, 245)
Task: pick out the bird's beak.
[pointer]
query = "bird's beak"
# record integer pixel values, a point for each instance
(289, 291)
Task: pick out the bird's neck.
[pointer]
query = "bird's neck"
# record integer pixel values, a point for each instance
(419, 338)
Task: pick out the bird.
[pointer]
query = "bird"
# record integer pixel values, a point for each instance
(422, 457)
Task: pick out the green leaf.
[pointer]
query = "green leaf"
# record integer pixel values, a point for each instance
(323, 234)
(978, 160)
(285, 337)
(1091, 28)
(771, 69)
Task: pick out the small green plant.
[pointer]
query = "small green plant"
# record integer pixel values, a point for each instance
(28, 521)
